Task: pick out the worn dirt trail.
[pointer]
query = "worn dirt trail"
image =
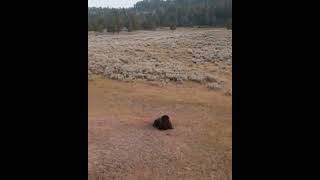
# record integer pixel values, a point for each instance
(124, 145)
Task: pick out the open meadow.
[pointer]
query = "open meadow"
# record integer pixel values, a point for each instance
(135, 78)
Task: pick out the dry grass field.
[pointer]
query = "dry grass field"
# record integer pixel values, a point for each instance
(190, 82)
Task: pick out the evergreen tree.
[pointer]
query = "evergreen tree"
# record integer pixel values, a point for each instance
(149, 14)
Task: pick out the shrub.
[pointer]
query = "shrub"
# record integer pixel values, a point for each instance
(173, 27)
(229, 24)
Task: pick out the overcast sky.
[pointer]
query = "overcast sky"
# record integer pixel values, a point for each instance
(112, 3)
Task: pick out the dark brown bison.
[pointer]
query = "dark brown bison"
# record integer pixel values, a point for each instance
(163, 123)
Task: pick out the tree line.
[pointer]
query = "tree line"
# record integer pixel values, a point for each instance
(150, 14)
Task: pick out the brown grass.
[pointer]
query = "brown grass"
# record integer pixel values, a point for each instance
(124, 145)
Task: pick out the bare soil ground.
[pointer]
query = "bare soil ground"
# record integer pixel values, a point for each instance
(122, 142)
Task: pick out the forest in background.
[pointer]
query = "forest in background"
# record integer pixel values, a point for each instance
(150, 14)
